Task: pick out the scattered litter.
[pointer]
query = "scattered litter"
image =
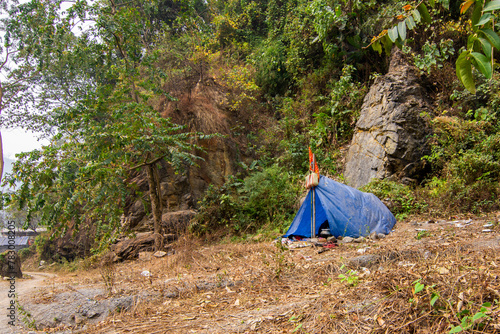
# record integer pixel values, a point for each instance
(488, 225)
(362, 250)
(160, 254)
(299, 244)
(406, 264)
(487, 230)
(146, 273)
(461, 223)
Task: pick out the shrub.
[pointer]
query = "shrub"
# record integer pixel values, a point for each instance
(403, 200)
(243, 206)
(468, 155)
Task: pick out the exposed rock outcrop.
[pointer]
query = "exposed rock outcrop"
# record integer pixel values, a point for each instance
(10, 265)
(202, 106)
(129, 248)
(177, 222)
(390, 136)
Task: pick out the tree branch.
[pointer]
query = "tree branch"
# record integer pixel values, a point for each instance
(148, 163)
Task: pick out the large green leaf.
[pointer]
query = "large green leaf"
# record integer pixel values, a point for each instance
(416, 16)
(492, 37)
(486, 45)
(424, 12)
(484, 19)
(402, 30)
(387, 43)
(410, 23)
(491, 6)
(477, 13)
(464, 72)
(393, 33)
(483, 64)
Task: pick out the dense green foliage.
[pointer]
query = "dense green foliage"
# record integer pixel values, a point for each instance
(268, 195)
(306, 63)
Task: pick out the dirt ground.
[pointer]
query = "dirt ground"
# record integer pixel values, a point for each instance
(425, 277)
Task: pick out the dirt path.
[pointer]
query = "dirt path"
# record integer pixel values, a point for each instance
(23, 287)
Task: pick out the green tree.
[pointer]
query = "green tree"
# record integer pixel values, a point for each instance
(105, 126)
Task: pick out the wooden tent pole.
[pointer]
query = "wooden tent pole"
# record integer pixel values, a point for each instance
(313, 220)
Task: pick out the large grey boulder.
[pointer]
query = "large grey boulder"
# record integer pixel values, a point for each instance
(390, 136)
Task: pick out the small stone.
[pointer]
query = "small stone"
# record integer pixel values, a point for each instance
(332, 238)
(373, 236)
(381, 236)
(346, 240)
(359, 240)
(144, 256)
(79, 319)
(146, 273)
(160, 254)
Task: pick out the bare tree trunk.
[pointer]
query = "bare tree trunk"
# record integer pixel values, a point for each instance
(1, 143)
(1, 157)
(156, 207)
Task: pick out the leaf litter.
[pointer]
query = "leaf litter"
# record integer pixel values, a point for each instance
(446, 280)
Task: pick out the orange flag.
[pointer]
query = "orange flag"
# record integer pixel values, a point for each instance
(311, 160)
(313, 165)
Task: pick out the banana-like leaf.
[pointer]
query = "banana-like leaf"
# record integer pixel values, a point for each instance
(492, 37)
(402, 30)
(477, 13)
(486, 45)
(484, 19)
(424, 12)
(465, 5)
(464, 72)
(491, 6)
(483, 64)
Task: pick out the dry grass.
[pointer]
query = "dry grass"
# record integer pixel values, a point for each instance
(239, 288)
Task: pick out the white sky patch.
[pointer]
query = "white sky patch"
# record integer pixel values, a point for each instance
(18, 140)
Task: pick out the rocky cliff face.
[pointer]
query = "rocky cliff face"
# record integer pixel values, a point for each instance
(390, 136)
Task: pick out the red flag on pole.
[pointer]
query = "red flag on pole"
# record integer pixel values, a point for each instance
(313, 165)
(311, 160)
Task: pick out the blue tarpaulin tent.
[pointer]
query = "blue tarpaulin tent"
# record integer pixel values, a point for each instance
(345, 210)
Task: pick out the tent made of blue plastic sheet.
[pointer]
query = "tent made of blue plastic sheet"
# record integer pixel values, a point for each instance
(345, 210)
